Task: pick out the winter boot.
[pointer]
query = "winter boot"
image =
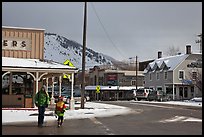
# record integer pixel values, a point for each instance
(59, 123)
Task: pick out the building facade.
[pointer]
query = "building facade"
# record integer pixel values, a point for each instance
(175, 76)
(24, 69)
(108, 77)
(22, 42)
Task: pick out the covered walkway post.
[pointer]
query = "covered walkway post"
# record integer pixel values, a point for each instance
(71, 103)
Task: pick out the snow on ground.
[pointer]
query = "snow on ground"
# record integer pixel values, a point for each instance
(185, 103)
(92, 109)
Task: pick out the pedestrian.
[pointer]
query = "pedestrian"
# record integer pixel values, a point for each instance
(59, 110)
(41, 101)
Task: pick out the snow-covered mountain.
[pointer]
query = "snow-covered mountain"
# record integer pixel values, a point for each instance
(59, 49)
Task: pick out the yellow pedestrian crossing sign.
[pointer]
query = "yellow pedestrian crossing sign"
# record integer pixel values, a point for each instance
(98, 89)
(69, 63)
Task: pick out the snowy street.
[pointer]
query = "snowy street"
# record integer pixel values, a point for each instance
(92, 109)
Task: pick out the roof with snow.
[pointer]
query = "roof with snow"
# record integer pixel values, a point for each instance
(170, 63)
(32, 63)
(9, 27)
(126, 72)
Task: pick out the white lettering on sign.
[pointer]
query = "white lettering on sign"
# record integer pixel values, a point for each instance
(16, 44)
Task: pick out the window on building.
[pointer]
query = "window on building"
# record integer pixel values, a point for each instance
(150, 76)
(157, 75)
(165, 75)
(95, 80)
(100, 81)
(133, 82)
(159, 88)
(192, 91)
(181, 92)
(194, 75)
(181, 74)
(5, 84)
(169, 90)
(185, 92)
(18, 83)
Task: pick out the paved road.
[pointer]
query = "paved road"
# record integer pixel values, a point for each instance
(145, 119)
(156, 119)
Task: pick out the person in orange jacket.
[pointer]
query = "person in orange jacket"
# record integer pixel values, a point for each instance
(59, 110)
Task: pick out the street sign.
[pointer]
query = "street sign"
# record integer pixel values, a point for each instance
(98, 89)
(69, 63)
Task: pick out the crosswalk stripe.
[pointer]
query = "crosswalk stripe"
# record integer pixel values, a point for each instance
(181, 119)
(107, 130)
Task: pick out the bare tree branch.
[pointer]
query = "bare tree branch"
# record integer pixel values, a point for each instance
(172, 51)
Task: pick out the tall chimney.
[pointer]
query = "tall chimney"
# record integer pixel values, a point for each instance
(159, 54)
(188, 49)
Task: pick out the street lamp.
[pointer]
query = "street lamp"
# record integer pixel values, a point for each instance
(135, 70)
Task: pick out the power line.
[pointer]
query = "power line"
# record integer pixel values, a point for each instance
(106, 31)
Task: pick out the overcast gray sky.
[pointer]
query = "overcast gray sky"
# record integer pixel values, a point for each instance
(118, 29)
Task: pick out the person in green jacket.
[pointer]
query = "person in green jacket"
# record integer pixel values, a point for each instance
(41, 101)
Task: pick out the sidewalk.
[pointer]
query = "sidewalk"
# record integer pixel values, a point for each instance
(50, 107)
(92, 109)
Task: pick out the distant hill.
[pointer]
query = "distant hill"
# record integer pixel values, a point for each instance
(59, 49)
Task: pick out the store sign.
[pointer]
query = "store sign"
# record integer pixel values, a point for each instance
(112, 77)
(16, 43)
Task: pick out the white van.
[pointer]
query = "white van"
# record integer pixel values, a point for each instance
(142, 93)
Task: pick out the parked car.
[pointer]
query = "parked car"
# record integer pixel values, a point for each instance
(56, 91)
(129, 95)
(157, 95)
(142, 93)
(66, 94)
(77, 97)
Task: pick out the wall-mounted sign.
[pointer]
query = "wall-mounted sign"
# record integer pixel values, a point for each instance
(112, 77)
(16, 43)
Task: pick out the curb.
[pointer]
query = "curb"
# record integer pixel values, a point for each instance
(31, 109)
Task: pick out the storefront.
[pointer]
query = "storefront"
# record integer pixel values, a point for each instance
(24, 69)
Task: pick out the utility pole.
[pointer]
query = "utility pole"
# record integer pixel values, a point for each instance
(135, 70)
(83, 57)
(136, 73)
